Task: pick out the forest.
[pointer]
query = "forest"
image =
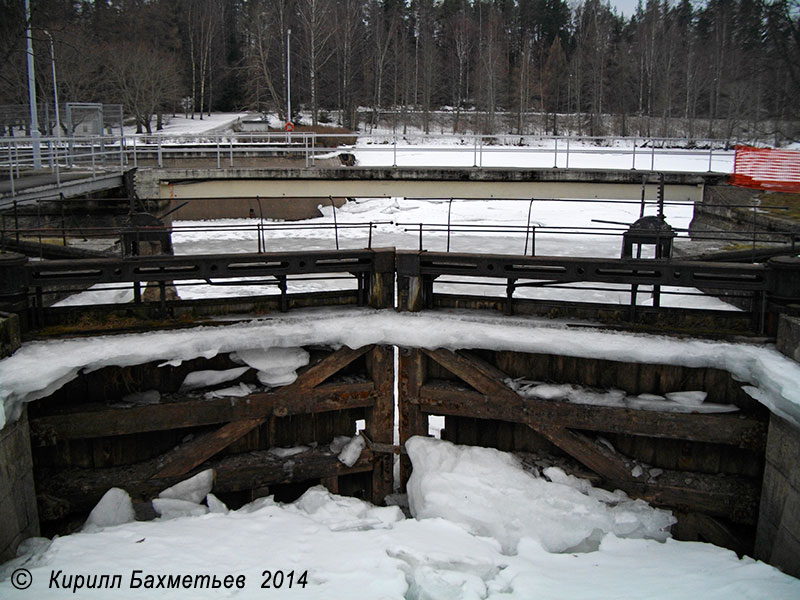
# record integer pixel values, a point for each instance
(717, 69)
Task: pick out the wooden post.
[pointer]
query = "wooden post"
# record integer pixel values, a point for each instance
(381, 280)
(409, 282)
(380, 419)
(412, 420)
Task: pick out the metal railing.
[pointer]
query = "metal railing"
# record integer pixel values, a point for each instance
(104, 153)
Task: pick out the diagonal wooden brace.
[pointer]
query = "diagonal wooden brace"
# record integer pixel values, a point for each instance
(488, 380)
(194, 453)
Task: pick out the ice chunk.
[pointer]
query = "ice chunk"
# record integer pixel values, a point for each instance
(236, 391)
(215, 505)
(468, 485)
(342, 513)
(694, 398)
(172, 508)
(193, 489)
(276, 366)
(352, 450)
(550, 392)
(338, 443)
(651, 398)
(201, 379)
(637, 471)
(114, 508)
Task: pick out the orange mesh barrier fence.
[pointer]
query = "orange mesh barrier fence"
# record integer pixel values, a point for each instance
(767, 169)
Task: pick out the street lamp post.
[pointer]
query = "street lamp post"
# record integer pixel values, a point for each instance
(288, 76)
(55, 100)
(37, 151)
(55, 84)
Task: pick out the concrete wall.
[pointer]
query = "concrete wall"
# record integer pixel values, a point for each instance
(18, 515)
(778, 535)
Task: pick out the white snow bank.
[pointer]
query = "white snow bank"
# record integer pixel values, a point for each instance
(200, 379)
(39, 368)
(276, 366)
(340, 513)
(352, 450)
(351, 549)
(173, 508)
(684, 402)
(193, 489)
(114, 508)
(469, 484)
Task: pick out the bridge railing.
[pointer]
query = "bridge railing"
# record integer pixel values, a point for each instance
(101, 153)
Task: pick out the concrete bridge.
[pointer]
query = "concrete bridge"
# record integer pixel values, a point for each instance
(355, 182)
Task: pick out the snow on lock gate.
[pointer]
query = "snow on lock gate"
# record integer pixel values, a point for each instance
(269, 430)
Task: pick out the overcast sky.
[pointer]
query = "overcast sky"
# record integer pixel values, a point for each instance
(626, 7)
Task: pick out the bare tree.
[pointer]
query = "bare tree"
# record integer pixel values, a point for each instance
(318, 29)
(142, 77)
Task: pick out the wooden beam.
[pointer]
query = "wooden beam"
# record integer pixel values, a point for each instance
(744, 431)
(91, 421)
(380, 419)
(597, 457)
(412, 420)
(477, 373)
(186, 457)
(67, 491)
(328, 366)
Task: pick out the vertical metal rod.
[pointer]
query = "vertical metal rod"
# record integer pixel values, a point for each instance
(63, 225)
(528, 226)
(652, 154)
(633, 162)
(555, 154)
(369, 243)
(449, 210)
(480, 155)
(394, 151)
(16, 219)
(39, 227)
(475, 151)
(262, 241)
(644, 188)
(11, 171)
(135, 158)
(710, 154)
(230, 141)
(94, 173)
(160, 160)
(420, 237)
(335, 224)
(219, 159)
(567, 165)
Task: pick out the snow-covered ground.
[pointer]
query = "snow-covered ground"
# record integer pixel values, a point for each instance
(482, 527)
(181, 125)
(545, 153)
